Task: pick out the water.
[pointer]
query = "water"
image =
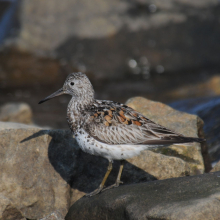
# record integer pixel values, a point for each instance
(7, 17)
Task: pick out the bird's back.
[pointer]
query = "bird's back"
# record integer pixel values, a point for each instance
(115, 123)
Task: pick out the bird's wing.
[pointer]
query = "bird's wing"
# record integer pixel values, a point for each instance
(115, 123)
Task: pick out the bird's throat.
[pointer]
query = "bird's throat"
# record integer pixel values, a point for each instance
(75, 114)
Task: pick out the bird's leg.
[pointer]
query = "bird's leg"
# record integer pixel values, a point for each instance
(118, 180)
(99, 189)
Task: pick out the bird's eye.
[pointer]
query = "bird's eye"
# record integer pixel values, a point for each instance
(72, 83)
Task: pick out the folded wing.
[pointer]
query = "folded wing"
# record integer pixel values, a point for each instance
(115, 123)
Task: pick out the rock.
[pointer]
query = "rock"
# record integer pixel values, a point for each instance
(11, 125)
(216, 167)
(9, 212)
(208, 109)
(147, 29)
(209, 87)
(53, 216)
(103, 19)
(185, 198)
(16, 112)
(30, 185)
(50, 163)
(183, 123)
(44, 171)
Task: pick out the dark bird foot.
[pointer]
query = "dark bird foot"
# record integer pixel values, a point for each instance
(112, 186)
(95, 192)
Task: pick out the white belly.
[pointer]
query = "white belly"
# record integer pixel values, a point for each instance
(110, 152)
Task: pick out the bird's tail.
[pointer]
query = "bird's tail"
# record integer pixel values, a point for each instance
(189, 140)
(193, 139)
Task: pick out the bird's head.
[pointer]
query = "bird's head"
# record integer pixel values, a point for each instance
(77, 85)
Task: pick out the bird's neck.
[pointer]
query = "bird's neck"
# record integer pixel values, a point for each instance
(76, 113)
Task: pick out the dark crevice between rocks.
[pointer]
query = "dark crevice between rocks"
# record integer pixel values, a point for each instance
(204, 147)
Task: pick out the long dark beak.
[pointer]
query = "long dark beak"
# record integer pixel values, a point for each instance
(55, 94)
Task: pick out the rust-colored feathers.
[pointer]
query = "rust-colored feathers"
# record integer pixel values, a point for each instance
(114, 123)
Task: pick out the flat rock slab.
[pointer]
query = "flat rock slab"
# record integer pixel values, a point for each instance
(184, 198)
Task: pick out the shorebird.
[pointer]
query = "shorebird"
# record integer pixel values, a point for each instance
(110, 129)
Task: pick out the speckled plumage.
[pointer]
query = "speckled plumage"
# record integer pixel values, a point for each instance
(110, 129)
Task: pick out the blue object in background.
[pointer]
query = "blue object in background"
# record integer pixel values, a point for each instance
(7, 17)
(208, 108)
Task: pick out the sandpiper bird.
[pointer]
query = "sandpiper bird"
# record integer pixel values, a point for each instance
(110, 129)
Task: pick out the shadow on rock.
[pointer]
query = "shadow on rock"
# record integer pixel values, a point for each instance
(83, 171)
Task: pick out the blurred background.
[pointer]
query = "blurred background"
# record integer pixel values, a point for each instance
(167, 51)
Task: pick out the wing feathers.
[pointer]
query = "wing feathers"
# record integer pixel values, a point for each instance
(114, 123)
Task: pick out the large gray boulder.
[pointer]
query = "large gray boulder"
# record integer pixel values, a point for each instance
(185, 198)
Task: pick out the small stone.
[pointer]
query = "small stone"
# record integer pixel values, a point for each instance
(16, 112)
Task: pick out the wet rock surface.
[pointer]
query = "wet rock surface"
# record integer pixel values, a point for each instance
(185, 198)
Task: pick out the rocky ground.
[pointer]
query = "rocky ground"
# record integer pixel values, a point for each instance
(44, 172)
